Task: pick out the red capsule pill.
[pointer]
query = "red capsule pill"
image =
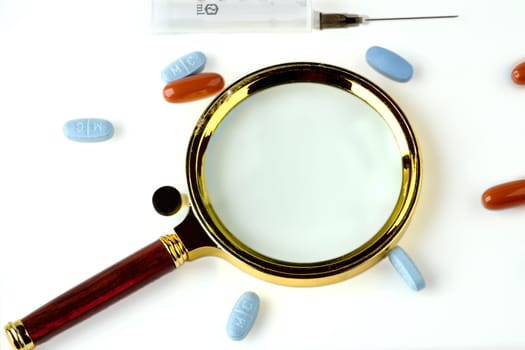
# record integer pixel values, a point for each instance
(518, 74)
(193, 87)
(505, 195)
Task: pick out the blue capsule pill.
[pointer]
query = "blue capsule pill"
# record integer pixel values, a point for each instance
(389, 63)
(243, 316)
(188, 64)
(406, 268)
(88, 130)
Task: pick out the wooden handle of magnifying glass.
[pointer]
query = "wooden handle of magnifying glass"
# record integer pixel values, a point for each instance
(99, 291)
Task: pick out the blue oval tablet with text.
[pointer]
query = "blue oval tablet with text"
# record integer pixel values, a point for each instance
(389, 63)
(188, 64)
(243, 316)
(88, 130)
(406, 268)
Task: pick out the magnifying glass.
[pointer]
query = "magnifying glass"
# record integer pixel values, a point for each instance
(302, 174)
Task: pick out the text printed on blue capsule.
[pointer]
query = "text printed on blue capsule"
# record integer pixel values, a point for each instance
(242, 316)
(185, 65)
(191, 63)
(96, 127)
(243, 313)
(88, 130)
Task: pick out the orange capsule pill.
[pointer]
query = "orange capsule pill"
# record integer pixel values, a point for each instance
(518, 74)
(505, 195)
(193, 87)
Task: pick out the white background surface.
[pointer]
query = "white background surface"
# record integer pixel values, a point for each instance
(68, 210)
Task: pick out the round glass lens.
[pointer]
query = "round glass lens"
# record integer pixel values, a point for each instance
(303, 172)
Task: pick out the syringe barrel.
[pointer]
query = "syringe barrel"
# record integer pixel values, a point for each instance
(230, 16)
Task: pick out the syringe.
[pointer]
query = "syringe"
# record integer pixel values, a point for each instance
(205, 16)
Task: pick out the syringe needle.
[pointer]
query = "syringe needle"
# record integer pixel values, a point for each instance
(343, 20)
(405, 18)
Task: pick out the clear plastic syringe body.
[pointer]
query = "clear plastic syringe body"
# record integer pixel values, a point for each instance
(230, 16)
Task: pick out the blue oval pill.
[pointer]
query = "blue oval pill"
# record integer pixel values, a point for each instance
(406, 268)
(389, 63)
(243, 316)
(88, 130)
(188, 64)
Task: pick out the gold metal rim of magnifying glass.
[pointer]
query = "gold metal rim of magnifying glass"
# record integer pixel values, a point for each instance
(328, 271)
